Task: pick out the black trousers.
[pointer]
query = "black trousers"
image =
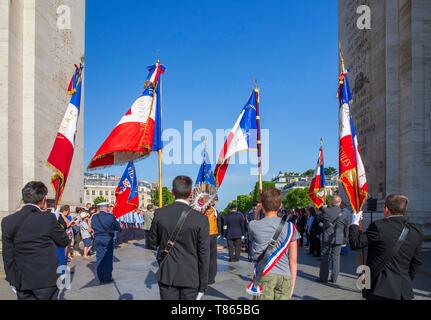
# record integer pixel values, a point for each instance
(234, 246)
(147, 239)
(50, 293)
(330, 256)
(177, 293)
(213, 260)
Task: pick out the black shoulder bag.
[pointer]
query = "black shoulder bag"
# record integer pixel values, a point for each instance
(260, 263)
(163, 254)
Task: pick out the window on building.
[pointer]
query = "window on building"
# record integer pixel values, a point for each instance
(106, 193)
(87, 192)
(112, 193)
(93, 193)
(100, 193)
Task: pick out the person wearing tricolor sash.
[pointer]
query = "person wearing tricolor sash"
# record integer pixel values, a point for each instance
(274, 242)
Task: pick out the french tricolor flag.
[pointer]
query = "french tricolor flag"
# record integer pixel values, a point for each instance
(242, 137)
(352, 169)
(316, 191)
(139, 131)
(61, 154)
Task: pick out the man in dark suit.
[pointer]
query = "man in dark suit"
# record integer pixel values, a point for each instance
(183, 274)
(235, 232)
(391, 280)
(335, 232)
(30, 237)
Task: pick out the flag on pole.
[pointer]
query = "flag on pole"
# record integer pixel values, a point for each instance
(242, 137)
(352, 171)
(60, 157)
(126, 194)
(137, 134)
(316, 191)
(205, 190)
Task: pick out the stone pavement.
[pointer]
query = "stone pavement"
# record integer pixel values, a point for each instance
(135, 267)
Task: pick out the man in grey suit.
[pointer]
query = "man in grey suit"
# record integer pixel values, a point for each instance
(335, 233)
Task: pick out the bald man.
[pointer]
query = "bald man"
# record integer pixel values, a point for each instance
(335, 234)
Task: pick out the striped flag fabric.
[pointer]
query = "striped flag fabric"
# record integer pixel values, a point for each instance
(242, 137)
(351, 166)
(139, 130)
(316, 192)
(126, 194)
(61, 155)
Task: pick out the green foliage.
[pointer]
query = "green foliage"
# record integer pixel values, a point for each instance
(265, 185)
(167, 196)
(330, 172)
(297, 198)
(308, 173)
(244, 203)
(99, 199)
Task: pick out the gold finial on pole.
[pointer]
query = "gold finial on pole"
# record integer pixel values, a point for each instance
(321, 142)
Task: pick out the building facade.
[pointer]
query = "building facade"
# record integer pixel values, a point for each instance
(390, 77)
(100, 185)
(37, 57)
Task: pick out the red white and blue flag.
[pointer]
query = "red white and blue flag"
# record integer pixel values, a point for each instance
(256, 290)
(61, 154)
(242, 137)
(352, 171)
(316, 192)
(139, 131)
(126, 194)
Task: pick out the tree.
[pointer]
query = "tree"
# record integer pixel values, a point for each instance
(308, 173)
(297, 198)
(244, 203)
(265, 185)
(167, 196)
(99, 199)
(330, 171)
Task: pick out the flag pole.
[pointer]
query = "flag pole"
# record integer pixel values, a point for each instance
(362, 255)
(323, 173)
(259, 141)
(160, 153)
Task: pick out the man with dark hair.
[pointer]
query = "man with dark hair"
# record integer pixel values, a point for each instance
(394, 247)
(148, 221)
(279, 283)
(183, 270)
(235, 232)
(335, 234)
(30, 237)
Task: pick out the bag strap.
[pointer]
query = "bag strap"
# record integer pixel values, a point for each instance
(260, 264)
(103, 226)
(173, 238)
(394, 251)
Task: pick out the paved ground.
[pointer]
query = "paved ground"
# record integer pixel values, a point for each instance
(134, 270)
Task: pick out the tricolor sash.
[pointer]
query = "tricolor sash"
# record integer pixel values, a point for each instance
(253, 288)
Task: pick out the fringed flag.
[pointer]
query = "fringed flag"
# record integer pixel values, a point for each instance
(61, 154)
(139, 131)
(352, 171)
(255, 289)
(205, 190)
(126, 194)
(242, 137)
(316, 192)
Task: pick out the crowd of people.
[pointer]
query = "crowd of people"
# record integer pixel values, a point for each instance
(38, 243)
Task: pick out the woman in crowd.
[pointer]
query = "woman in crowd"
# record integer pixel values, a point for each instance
(86, 233)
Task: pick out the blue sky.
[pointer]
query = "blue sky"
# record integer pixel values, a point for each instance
(213, 50)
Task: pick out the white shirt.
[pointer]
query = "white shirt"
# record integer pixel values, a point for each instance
(183, 201)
